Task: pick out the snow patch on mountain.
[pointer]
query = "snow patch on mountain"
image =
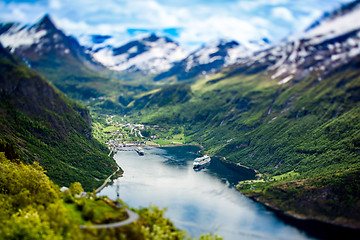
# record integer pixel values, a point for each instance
(334, 27)
(43, 40)
(210, 58)
(149, 55)
(205, 55)
(225, 51)
(202, 56)
(19, 35)
(237, 53)
(325, 46)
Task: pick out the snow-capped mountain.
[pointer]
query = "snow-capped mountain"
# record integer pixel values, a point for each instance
(149, 55)
(209, 59)
(43, 41)
(216, 54)
(329, 43)
(59, 58)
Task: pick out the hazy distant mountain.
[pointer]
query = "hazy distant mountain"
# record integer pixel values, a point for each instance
(43, 41)
(148, 55)
(210, 58)
(161, 55)
(46, 48)
(331, 42)
(58, 57)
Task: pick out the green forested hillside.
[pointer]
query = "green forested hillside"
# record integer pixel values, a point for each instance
(309, 127)
(43, 125)
(167, 95)
(32, 207)
(40, 128)
(273, 128)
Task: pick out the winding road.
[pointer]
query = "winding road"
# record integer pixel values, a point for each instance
(106, 181)
(133, 216)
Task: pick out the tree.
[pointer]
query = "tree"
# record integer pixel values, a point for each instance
(76, 188)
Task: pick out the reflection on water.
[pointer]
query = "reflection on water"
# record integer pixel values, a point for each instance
(198, 202)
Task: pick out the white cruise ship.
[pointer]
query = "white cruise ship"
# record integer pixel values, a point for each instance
(201, 162)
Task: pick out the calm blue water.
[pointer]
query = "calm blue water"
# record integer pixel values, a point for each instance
(197, 202)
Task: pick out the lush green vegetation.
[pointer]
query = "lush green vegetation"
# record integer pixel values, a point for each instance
(76, 75)
(94, 210)
(43, 125)
(32, 207)
(168, 95)
(302, 137)
(308, 128)
(112, 127)
(332, 198)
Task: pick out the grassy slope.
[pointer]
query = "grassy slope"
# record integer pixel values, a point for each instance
(46, 126)
(82, 82)
(32, 207)
(311, 127)
(328, 197)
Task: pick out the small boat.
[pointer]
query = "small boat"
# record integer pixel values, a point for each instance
(201, 162)
(140, 151)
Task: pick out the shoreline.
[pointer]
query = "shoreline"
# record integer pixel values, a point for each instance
(306, 223)
(311, 225)
(223, 159)
(107, 180)
(178, 145)
(173, 145)
(244, 171)
(278, 212)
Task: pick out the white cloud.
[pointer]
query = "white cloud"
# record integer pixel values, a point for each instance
(282, 13)
(213, 28)
(55, 4)
(71, 27)
(249, 5)
(258, 21)
(21, 12)
(200, 21)
(156, 14)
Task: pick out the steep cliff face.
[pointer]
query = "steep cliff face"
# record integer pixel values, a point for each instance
(48, 127)
(58, 57)
(29, 93)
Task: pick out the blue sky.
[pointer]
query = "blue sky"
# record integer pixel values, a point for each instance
(190, 22)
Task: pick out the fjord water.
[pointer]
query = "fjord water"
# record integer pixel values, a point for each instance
(197, 202)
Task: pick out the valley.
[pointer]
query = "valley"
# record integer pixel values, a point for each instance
(117, 133)
(277, 135)
(288, 110)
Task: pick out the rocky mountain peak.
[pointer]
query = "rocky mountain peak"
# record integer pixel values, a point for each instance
(149, 54)
(151, 38)
(47, 49)
(46, 24)
(207, 59)
(339, 12)
(328, 44)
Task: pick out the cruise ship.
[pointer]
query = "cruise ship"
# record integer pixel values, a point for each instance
(140, 151)
(201, 162)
